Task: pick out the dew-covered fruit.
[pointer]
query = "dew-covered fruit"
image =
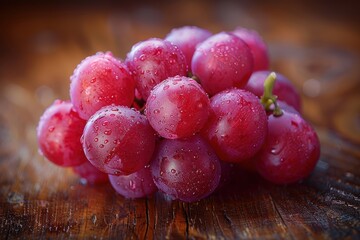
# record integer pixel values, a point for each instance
(98, 81)
(136, 185)
(187, 38)
(186, 169)
(90, 174)
(257, 46)
(177, 107)
(291, 149)
(154, 60)
(118, 140)
(221, 62)
(283, 88)
(237, 125)
(58, 134)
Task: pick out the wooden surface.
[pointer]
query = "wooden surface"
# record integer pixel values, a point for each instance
(317, 45)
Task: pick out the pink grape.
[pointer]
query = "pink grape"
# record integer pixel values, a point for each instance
(283, 88)
(154, 60)
(136, 185)
(257, 46)
(90, 173)
(118, 140)
(186, 169)
(237, 125)
(221, 62)
(177, 107)
(291, 149)
(187, 38)
(98, 81)
(58, 133)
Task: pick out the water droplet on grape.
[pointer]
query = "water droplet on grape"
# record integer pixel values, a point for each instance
(132, 184)
(295, 124)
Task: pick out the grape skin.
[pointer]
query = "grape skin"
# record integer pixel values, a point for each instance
(152, 61)
(237, 125)
(187, 38)
(186, 169)
(100, 80)
(221, 62)
(177, 107)
(136, 185)
(58, 133)
(90, 173)
(291, 150)
(118, 140)
(257, 46)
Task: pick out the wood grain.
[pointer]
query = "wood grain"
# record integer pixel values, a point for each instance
(315, 46)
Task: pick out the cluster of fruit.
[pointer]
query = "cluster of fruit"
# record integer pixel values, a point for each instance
(177, 114)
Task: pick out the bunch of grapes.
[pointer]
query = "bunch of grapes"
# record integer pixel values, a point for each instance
(178, 114)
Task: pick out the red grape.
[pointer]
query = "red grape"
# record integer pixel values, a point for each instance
(136, 185)
(186, 38)
(118, 140)
(177, 107)
(90, 173)
(221, 62)
(283, 88)
(284, 106)
(58, 134)
(257, 46)
(174, 136)
(291, 149)
(186, 169)
(98, 81)
(237, 125)
(154, 60)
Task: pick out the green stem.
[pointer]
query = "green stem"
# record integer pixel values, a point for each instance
(191, 75)
(268, 97)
